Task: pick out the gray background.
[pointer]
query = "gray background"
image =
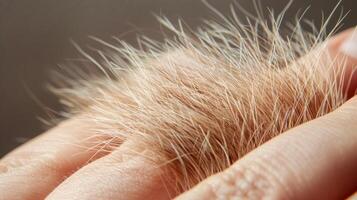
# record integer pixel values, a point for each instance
(35, 37)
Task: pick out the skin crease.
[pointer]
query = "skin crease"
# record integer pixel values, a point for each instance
(315, 166)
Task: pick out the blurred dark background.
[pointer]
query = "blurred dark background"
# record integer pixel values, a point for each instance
(35, 37)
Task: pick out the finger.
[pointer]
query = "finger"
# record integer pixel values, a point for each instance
(108, 178)
(126, 173)
(35, 168)
(316, 160)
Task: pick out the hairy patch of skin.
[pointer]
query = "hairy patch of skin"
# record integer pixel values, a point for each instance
(203, 101)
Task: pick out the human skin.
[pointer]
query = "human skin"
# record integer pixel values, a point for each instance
(317, 159)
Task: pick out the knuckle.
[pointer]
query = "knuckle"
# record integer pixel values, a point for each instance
(246, 182)
(23, 161)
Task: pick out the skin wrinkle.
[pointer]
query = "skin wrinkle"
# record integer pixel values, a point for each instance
(251, 182)
(241, 183)
(267, 164)
(258, 185)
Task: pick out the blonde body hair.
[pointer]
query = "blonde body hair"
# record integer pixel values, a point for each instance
(203, 99)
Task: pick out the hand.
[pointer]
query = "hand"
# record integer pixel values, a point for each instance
(317, 160)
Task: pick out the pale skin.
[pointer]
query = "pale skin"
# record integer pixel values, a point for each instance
(316, 160)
